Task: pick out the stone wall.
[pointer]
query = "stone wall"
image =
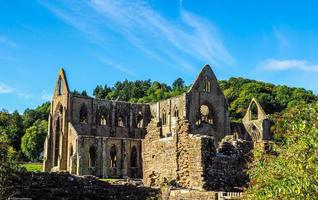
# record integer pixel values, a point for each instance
(211, 97)
(176, 160)
(226, 169)
(184, 194)
(159, 157)
(103, 166)
(193, 161)
(172, 109)
(63, 186)
(189, 156)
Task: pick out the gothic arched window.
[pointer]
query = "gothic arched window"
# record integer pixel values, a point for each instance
(206, 115)
(113, 156)
(71, 150)
(254, 111)
(60, 86)
(83, 117)
(120, 121)
(140, 120)
(103, 120)
(92, 156)
(176, 112)
(164, 117)
(207, 85)
(133, 157)
(57, 141)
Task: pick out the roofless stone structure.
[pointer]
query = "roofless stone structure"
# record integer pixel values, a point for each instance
(183, 139)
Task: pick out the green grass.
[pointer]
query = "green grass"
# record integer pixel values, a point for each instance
(31, 167)
(109, 180)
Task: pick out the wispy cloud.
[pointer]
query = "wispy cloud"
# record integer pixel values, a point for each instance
(113, 64)
(46, 96)
(188, 38)
(24, 95)
(5, 89)
(7, 41)
(281, 65)
(280, 37)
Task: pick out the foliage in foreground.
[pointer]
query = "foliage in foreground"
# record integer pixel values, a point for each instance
(9, 169)
(290, 171)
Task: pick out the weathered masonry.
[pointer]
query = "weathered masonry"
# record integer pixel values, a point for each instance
(91, 136)
(182, 140)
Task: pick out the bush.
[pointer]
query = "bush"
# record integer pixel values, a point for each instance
(9, 169)
(290, 171)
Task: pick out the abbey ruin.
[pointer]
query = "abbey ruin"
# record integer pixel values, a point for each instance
(186, 140)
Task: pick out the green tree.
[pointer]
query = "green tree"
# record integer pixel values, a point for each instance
(11, 125)
(274, 99)
(101, 92)
(30, 116)
(83, 93)
(178, 84)
(290, 171)
(33, 140)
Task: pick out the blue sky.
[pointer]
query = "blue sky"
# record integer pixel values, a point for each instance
(101, 42)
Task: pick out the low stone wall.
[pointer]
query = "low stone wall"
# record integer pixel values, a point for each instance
(184, 194)
(63, 186)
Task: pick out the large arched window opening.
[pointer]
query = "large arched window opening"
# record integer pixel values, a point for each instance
(92, 156)
(206, 115)
(133, 157)
(83, 117)
(57, 141)
(59, 86)
(61, 110)
(254, 111)
(113, 156)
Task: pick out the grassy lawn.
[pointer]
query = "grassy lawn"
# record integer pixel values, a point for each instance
(31, 167)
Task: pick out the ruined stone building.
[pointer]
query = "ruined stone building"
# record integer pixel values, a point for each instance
(180, 140)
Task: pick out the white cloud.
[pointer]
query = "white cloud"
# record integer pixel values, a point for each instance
(188, 38)
(24, 95)
(46, 96)
(115, 65)
(6, 41)
(5, 89)
(280, 65)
